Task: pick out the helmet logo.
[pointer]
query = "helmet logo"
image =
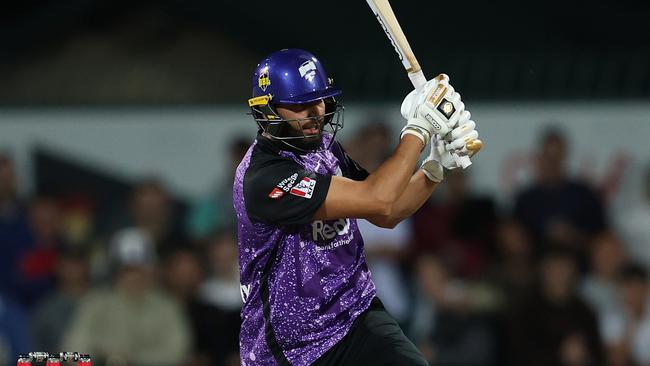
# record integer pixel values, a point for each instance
(263, 82)
(308, 70)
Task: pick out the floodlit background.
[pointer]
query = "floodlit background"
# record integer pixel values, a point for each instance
(121, 123)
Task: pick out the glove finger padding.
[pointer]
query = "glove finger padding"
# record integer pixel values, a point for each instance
(449, 160)
(462, 130)
(470, 149)
(464, 117)
(459, 143)
(473, 147)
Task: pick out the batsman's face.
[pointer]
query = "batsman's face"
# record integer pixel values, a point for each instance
(304, 119)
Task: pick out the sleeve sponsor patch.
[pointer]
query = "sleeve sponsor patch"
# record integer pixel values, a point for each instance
(304, 188)
(287, 183)
(276, 193)
(283, 187)
(281, 192)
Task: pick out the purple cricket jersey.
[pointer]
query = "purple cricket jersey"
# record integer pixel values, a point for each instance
(303, 281)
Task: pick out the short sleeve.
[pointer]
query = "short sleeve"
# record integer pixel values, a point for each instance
(281, 192)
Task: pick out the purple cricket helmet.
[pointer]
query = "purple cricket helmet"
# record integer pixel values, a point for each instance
(293, 77)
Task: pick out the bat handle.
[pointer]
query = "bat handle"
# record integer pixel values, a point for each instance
(417, 79)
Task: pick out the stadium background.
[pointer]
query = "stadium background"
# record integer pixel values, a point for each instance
(120, 123)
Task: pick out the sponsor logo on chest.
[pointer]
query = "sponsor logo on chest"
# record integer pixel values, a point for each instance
(324, 231)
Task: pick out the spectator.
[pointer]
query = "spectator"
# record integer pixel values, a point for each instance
(556, 208)
(511, 276)
(627, 333)
(553, 326)
(36, 264)
(371, 144)
(599, 287)
(52, 317)
(153, 214)
(385, 250)
(513, 270)
(634, 227)
(446, 328)
(213, 337)
(183, 274)
(221, 293)
(216, 212)
(459, 227)
(15, 234)
(132, 321)
(8, 184)
(78, 216)
(15, 337)
(221, 288)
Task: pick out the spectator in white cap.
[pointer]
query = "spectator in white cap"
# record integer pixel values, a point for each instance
(131, 322)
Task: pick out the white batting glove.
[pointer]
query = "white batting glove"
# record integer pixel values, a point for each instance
(432, 165)
(439, 157)
(460, 142)
(435, 109)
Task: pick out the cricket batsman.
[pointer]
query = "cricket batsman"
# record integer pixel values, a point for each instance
(309, 298)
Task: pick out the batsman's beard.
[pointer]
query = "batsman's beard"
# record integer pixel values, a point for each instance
(309, 135)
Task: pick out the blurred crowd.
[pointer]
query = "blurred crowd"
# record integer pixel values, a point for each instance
(155, 290)
(552, 278)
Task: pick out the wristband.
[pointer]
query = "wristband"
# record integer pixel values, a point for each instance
(420, 133)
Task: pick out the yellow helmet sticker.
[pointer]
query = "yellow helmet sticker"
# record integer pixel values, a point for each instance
(263, 81)
(261, 100)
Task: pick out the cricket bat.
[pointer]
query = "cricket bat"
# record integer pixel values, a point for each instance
(386, 18)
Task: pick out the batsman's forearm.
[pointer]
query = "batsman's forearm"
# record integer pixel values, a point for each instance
(414, 196)
(390, 180)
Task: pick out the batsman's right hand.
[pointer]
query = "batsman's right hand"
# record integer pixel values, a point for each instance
(437, 104)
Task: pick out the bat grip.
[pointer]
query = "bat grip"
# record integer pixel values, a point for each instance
(417, 79)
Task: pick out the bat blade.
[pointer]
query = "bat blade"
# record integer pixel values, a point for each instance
(388, 21)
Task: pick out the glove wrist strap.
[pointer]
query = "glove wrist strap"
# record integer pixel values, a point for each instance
(420, 133)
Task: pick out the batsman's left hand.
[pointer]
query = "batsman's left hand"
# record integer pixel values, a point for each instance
(457, 139)
(436, 103)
